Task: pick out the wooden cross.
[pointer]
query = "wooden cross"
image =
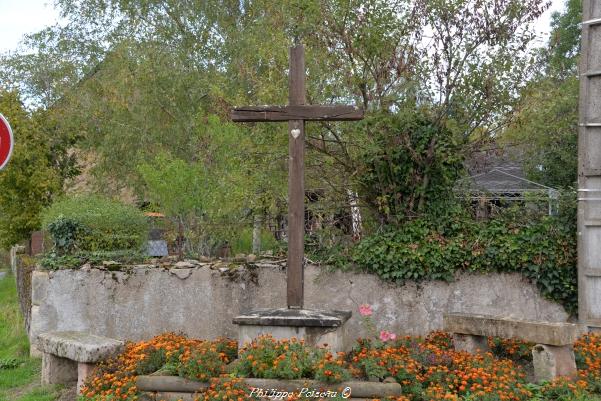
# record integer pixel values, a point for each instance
(296, 113)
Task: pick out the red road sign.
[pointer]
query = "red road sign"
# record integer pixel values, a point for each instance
(6, 142)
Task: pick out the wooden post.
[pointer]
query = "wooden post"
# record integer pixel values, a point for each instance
(296, 181)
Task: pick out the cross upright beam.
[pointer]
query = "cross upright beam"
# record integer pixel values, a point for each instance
(296, 113)
(296, 182)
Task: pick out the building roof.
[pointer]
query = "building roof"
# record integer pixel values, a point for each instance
(506, 180)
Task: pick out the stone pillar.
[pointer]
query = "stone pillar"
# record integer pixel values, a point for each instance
(57, 370)
(83, 371)
(551, 361)
(589, 168)
(470, 343)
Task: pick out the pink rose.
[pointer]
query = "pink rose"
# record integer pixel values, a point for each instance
(384, 335)
(365, 310)
(392, 336)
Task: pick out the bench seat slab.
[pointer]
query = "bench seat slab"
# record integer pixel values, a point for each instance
(557, 334)
(78, 346)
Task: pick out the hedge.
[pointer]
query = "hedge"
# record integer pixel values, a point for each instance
(94, 223)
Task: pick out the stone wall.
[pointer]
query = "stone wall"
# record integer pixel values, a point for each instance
(201, 302)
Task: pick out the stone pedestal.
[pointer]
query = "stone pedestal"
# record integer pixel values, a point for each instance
(551, 361)
(470, 343)
(317, 328)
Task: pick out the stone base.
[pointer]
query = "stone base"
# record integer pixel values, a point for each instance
(57, 370)
(551, 361)
(316, 328)
(470, 343)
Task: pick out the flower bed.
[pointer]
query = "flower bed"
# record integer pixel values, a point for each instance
(384, 366)
(427, 369)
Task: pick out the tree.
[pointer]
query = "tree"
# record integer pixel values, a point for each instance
(34, 175)
(167, 66)
(546, 124)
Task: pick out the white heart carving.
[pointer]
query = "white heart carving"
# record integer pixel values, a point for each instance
(295, 133)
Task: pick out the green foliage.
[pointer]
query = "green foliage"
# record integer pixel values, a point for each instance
(212, 197)
(9, 363)
(155, 360)
(546, 128)
(563, 50)
(414, 162)
(267, 358)
(65, 233)
(93, 223)
(19, 374)
(543, 251)
(177, 187)
(512, 348)
(241, 241)
(372, 369)
(546, 119)
(54, 261)
(226, 348)
(150, 81)
(202, 364)
(331, 371)
(31, 179)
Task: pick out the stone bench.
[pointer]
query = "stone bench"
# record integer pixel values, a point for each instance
(552, 356)
(70, 356)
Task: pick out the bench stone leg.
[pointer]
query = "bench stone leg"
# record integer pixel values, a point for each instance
(83, 371)
(56, 370)
(551, 361)
(470, 343)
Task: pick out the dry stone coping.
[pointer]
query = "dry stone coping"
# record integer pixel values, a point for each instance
(78, 346)
(557, 334)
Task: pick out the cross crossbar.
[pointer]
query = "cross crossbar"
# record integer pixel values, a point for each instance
(302, 112)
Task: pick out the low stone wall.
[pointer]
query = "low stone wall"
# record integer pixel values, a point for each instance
(201, 302)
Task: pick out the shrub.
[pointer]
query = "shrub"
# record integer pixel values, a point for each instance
(93, 223)
(65, 233)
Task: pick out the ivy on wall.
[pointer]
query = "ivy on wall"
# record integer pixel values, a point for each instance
(543, 250)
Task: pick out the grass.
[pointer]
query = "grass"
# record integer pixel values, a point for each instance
(19, 374)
